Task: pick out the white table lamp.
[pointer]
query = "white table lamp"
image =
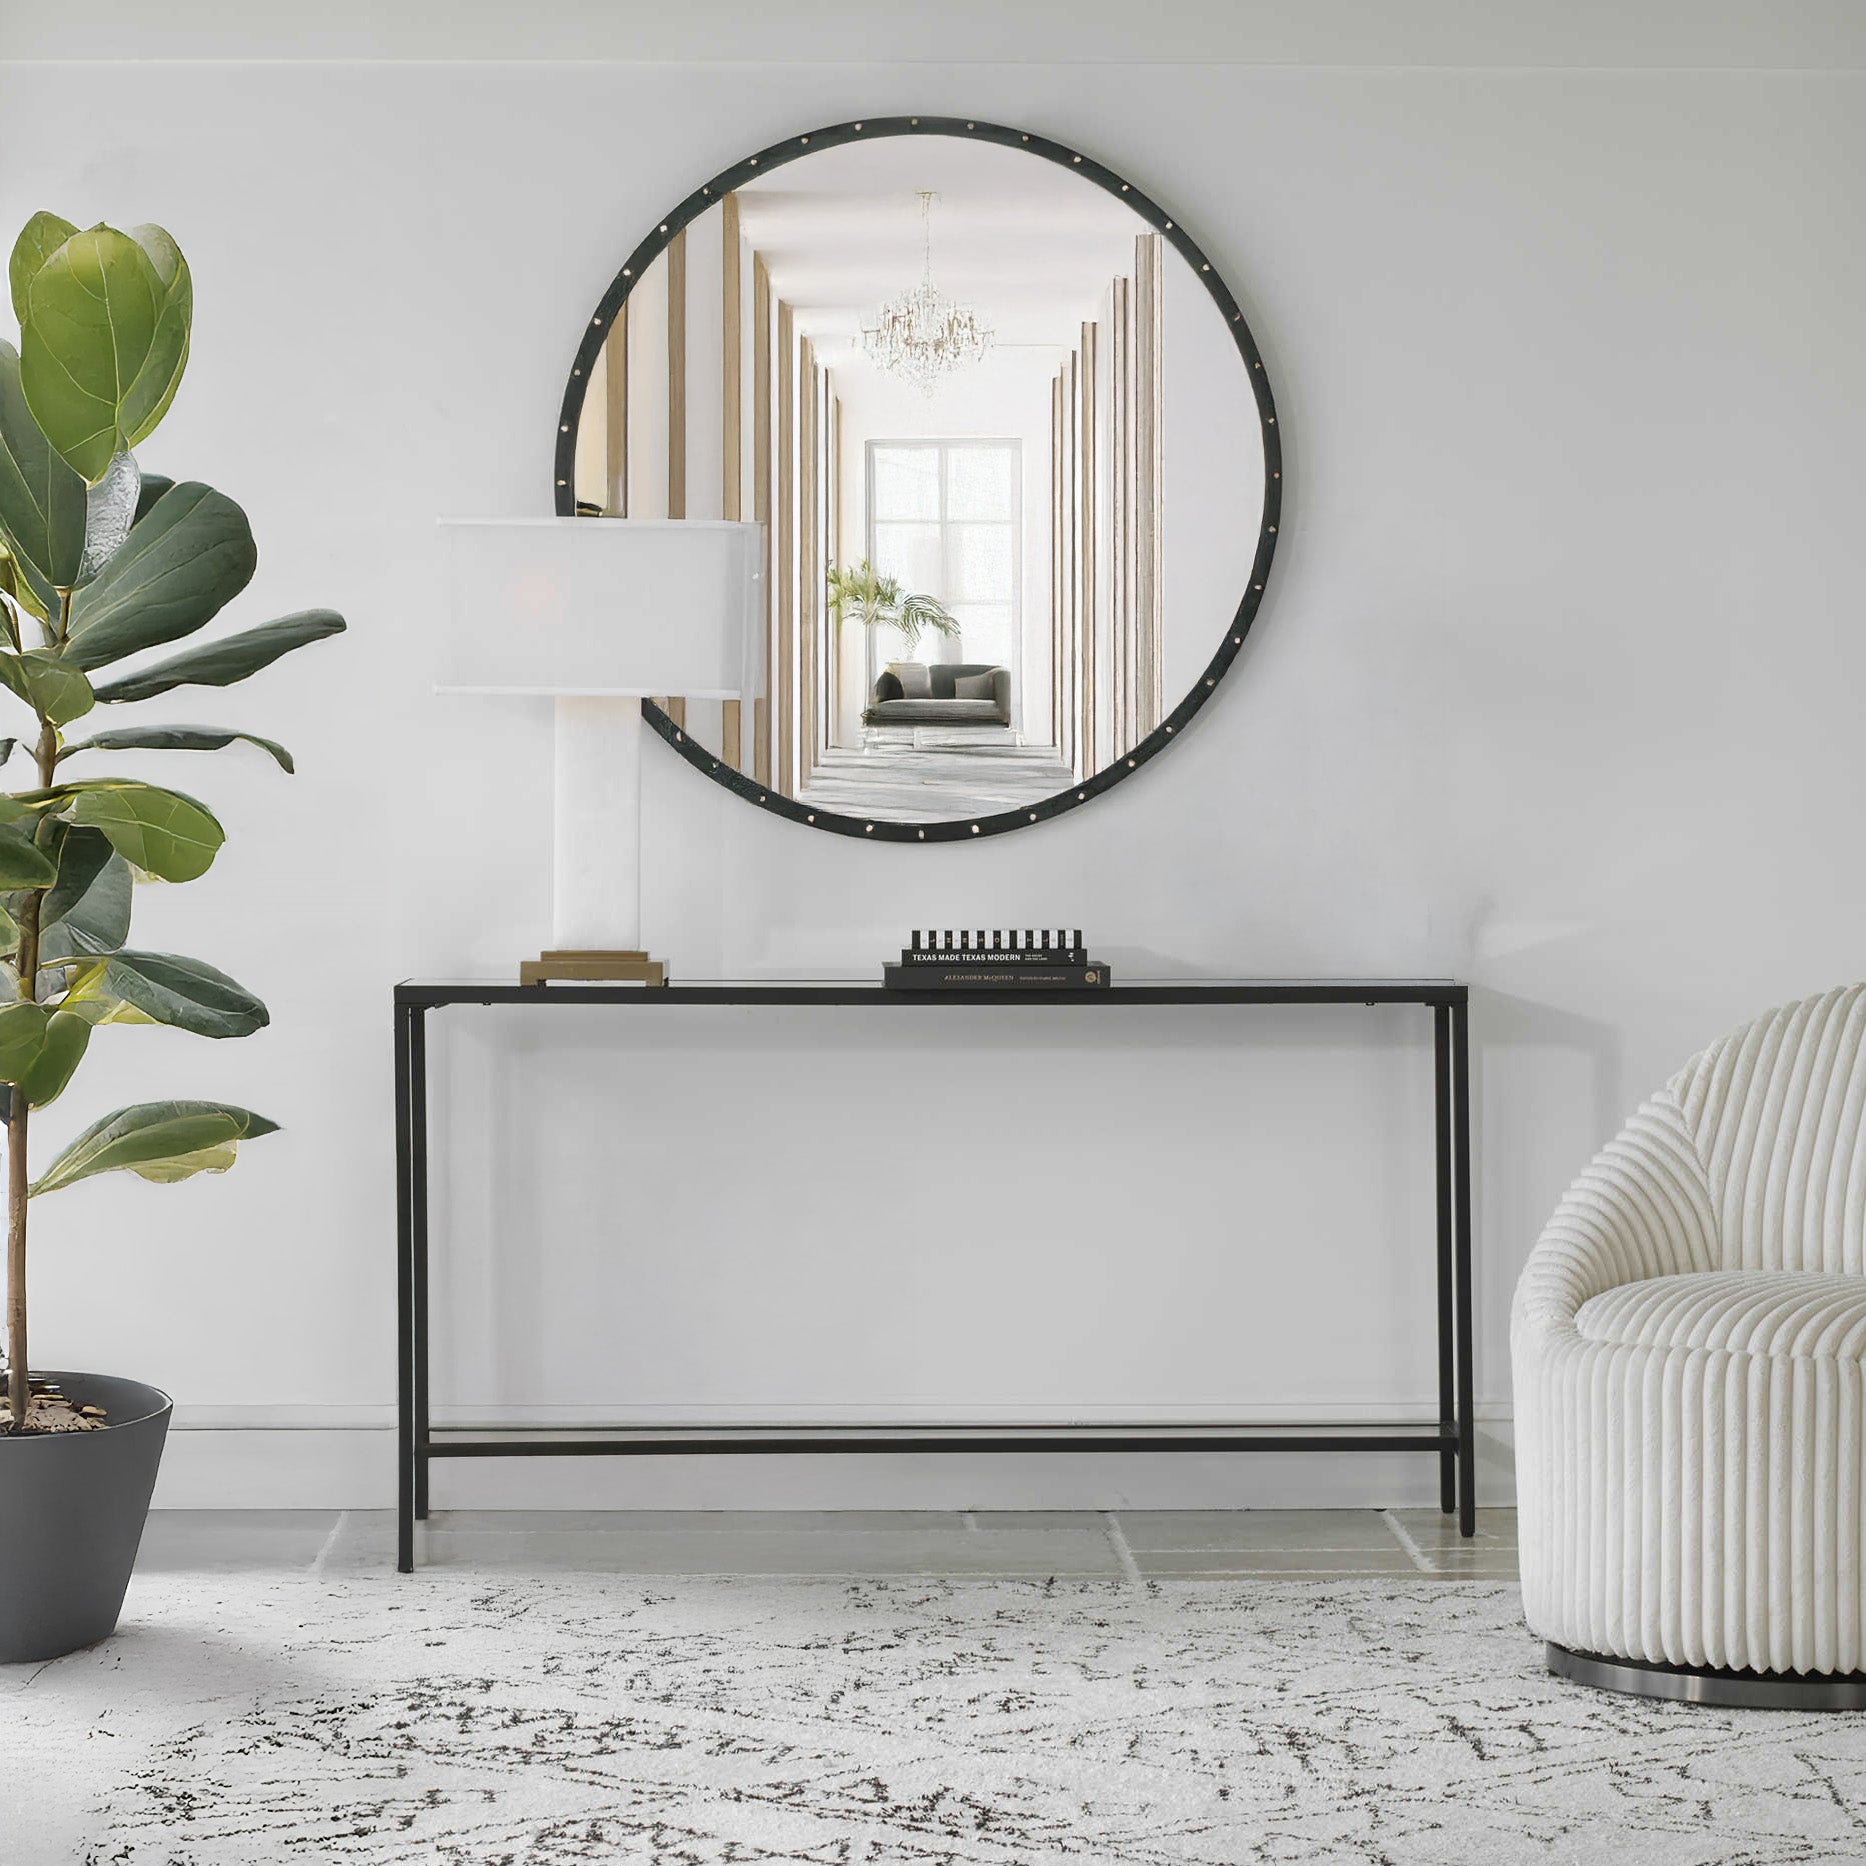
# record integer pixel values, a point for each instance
(596, 613)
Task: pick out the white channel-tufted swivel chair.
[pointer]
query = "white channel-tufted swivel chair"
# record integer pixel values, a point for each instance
(1689, 1349)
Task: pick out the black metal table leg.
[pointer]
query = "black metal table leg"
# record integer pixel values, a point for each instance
(1447, 1324)
(418, 1212)
(404, 1303)
(1467, 1422)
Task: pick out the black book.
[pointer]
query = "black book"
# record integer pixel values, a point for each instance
(1016, 977)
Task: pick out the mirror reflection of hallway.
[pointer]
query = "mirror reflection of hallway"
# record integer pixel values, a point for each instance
(1005, 448)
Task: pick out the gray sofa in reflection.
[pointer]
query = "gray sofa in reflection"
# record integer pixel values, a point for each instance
(951, 693)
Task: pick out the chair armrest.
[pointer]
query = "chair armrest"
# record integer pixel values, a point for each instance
(1642, 1209)
(1001, 689)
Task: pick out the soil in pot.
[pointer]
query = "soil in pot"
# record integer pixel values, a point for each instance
(48, 1410)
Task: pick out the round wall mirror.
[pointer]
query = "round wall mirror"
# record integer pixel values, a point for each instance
(1011, 444)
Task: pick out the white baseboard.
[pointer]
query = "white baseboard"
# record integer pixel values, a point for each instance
(344, 1458)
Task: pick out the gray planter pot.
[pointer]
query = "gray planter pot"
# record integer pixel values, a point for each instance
(72, 1507)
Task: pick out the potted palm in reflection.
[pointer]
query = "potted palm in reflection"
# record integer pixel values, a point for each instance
(879, 602)
(100, 563)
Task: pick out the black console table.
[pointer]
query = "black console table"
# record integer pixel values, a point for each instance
(1450, 1436)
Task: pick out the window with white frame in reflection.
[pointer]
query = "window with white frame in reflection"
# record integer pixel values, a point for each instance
(944, 517)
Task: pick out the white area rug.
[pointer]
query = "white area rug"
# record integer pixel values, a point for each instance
(699, 1722)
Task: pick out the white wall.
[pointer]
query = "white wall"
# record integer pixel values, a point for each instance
(1556, 688)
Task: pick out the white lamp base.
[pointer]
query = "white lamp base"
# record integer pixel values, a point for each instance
(596, 847)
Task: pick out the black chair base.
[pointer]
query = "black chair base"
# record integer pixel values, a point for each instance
(1705, 1684)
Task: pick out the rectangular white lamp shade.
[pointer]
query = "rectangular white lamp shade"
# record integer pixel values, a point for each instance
(602, 607)
(596, 613)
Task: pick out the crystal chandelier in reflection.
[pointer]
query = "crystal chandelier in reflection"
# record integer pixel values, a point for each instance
(922, 336)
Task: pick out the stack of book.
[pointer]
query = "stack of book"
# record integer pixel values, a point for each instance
(1015, 959)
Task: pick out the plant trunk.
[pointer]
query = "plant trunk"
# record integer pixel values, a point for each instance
(18, 1392)
(18, 1178)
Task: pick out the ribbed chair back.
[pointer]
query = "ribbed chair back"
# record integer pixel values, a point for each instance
(1777, 1114)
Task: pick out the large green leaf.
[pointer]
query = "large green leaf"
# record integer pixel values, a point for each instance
(161, 1140)
(39, 1048)
(221, 663)
(104, 341)
(87, 909)
(150, 398)
(159, 831)
(41, 498)
(22, 863)
(153, 486)
(190, 994)
(38, 240)
(172, 739)
(27, 591)
(42, 680)
(15, 596)
(191, 555)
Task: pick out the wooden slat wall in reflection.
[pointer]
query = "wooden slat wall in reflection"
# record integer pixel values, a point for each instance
(1056, 560)
(731, 404)
(1065, 561)
(677, 375)
(675, 706)
(807, 546)
(761, 505)
(615, 416)
(1120, 513)
(1087, 534)
(1072, 559)
(1149, 439)
(832, 552)
(786, 494)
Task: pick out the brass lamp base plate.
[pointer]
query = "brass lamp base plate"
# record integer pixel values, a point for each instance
(588, 967)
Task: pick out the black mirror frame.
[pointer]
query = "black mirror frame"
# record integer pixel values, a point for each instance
(958, 829)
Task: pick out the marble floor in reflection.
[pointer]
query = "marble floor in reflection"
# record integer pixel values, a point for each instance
(930, 775)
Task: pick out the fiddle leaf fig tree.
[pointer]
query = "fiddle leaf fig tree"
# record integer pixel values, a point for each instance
(98, 565)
